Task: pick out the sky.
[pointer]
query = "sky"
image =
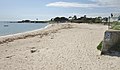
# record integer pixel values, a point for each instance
(14, 10)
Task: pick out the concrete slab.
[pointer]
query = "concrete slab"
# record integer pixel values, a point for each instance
(111, 42)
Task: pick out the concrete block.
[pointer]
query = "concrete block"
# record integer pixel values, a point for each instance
(111, 42)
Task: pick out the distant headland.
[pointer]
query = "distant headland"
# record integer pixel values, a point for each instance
(29, 21)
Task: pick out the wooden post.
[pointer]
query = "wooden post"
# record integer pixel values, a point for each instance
(109, 23)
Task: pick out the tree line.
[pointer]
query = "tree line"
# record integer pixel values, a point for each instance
(83, 19)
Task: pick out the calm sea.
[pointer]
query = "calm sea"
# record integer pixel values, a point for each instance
(13, 28)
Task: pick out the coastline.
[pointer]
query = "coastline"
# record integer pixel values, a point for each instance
(42, 31)
(59, 47)
(25, 31)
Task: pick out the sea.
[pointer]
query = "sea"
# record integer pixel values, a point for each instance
(14, 28)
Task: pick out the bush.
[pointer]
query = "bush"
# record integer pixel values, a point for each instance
(116, 25)
(99, 47)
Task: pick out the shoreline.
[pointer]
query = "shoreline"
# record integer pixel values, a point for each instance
(16, 28)
(26, 31)
(51, 28)
(59, 47)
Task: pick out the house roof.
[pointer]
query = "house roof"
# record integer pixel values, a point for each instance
(116, 15)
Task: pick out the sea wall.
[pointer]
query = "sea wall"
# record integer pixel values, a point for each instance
(52, 28)
(111, 42)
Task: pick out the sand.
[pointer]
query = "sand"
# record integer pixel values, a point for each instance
(58, 47)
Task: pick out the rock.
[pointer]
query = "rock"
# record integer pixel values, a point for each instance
(33, 50)
(10, 56)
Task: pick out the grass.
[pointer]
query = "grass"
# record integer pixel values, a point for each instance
(115, 25)
(99, 47)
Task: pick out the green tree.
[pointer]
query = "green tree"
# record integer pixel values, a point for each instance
(98, 19)
(74, 17)
(105, 19)
(61, 19)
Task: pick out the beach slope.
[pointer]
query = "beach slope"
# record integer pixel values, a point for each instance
(59, 47)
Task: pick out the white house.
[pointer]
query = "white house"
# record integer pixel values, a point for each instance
(115, 17)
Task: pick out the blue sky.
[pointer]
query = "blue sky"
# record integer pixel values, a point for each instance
(46, 9)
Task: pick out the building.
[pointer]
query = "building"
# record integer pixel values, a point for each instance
(115, 17)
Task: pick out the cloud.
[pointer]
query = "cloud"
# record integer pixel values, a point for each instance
(70, 4)
(96, 3)
(107, 3)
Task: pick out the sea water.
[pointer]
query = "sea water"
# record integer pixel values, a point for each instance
(13, 28)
